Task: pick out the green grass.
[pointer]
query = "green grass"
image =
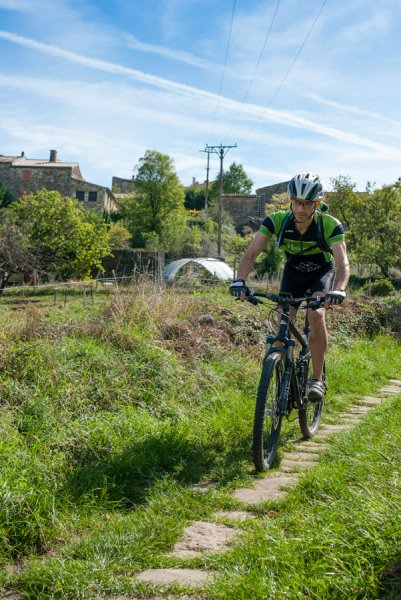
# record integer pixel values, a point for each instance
(110, 411)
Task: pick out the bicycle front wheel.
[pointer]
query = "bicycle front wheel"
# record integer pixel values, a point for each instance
(267, 422)
(310, 413)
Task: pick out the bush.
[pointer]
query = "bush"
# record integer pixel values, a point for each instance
(381, 287)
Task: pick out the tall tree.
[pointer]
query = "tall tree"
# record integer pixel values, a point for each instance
(158, 193)
(16, 255)
(195, 197)
(5, 196)
(344, 202)
(376, 231)
(235, 181)
(62, 235)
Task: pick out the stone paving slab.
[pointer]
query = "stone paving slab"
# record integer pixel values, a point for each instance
(233, 515)
(193, 578)
(289, 466)
(312, 449)
(352, 415)
(203, 536)
(311, 445)
(270, 488)
(359, 409)
(370, 400)
(332, 428)
(395, 381)
(389, 389)
(303, 456)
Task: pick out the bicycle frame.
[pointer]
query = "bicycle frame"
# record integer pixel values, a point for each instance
(284, 343)
(283, 383)
(290, 379)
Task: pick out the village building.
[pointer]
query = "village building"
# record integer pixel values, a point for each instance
(241, 207)
(21, 175)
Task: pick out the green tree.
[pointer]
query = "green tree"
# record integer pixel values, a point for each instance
(158, 193)
(5, 196)
(376, 231)
(278, 202)
(344, 202)
(16, 255)
(195, 196)
(235, 181)
(62, 235)
(119, 236)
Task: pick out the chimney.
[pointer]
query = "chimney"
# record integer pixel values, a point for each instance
(53, 156)
(193, 180)
(22, 154)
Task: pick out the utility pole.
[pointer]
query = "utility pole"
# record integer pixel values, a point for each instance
(221, 151)
(208, 150)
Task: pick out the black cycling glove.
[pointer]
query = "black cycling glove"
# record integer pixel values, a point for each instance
(335, 296)
(238, 287)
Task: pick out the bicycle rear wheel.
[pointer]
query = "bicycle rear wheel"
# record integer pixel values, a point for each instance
(310, 413)
(267, 421)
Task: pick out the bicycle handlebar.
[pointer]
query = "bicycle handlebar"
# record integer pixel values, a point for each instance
(283, 300)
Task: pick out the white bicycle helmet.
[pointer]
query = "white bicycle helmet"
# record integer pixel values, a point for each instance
(306, 186)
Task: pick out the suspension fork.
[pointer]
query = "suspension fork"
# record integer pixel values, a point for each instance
(286, 348)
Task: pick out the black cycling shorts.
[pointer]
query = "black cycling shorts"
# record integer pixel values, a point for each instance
(298, 283)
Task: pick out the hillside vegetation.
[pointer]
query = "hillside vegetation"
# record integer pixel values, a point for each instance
(111, 413)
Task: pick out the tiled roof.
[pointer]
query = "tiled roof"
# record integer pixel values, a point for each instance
(8, 158)
(32, 162)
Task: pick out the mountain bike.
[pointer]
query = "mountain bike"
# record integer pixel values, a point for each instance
(284, 380)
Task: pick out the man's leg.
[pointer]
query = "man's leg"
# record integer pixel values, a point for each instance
(317, 341)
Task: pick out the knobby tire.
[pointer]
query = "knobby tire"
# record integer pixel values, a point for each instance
(267, 421)
(310, 413)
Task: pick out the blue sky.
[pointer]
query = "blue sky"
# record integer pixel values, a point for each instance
(311, 85)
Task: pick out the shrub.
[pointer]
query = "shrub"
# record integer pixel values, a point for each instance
(381, 287)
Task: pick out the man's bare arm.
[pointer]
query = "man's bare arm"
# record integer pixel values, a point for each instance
(342, 265)
(257, 246)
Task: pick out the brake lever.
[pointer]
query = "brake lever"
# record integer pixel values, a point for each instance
(253, 300)
(316, 304)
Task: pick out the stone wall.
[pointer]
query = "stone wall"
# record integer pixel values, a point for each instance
(28, 179)
(93, 196)
(266, 193)
(122, 186)
(240, 207)
(20, 180)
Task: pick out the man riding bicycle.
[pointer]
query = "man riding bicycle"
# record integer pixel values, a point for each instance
(311, 240)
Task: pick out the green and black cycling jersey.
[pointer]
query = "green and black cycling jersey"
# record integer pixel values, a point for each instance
(304, 251)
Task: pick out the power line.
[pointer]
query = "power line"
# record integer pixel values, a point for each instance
(268, 105)
(209, 150)
(224, 65)
(221, 151)
(244, 99)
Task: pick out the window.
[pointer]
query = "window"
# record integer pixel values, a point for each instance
(26, 175)
(92, 196)
(79, 195)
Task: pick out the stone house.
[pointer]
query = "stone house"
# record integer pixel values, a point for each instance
(266, 193)
(243, 206)
(119, 185)
(21, 175)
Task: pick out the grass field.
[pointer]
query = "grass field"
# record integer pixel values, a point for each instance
(112, 410)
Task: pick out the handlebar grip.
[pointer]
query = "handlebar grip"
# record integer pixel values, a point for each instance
(253, 300)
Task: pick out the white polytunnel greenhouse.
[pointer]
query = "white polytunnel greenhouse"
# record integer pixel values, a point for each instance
(192, 269)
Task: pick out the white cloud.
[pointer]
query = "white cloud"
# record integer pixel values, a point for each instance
(259, 112)
(180, 55)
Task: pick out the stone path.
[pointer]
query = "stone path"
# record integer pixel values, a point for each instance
(207, 537)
